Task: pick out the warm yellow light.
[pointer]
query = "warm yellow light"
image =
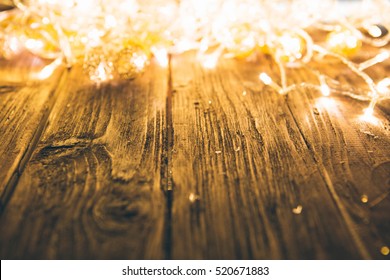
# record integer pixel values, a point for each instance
(110, 21)
(209, 60)
(343, 41)
(375, 31)
(14, 45)
(291, 47)
(368, 112)
(101, 74)
(265, 79)
(161, 55)
(368, 116)
(325, 90)
(383, 86)
(117, 38)
(34, 45)
(45, 20)
(329, 104)
(48, 70)
(364, 198)
(384, 55)
(140, 62)
(385, 251)
(297, 210)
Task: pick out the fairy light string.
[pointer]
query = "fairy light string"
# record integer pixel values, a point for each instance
(118, 38)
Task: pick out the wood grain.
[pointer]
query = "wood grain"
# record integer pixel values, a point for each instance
(92, 189)
(353, 156)
(25, 103)
(244, 161)
(190, 163)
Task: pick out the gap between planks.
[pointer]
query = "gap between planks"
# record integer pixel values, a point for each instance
(166, 182)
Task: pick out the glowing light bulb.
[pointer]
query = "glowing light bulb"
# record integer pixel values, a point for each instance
(376, 31)
(33, 45)
(161, 55)
(325, 90)
(289, 47)
(327, 103)
(118, 37)
(101, 74)
(209, 61)
(265, 79)
(210, 58)
(139, 62)
(48, 70)
(368, 112)
(110, 22)
(385, 250)
(10, 46)
(383, 86)
(368, 116)
(237, 38)
(130, 62)
(343, 41)
(384, 55)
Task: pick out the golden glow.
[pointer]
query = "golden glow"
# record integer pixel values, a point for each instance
(383, 86)
(265, 79)
(369, 112)
(193, 197)
(290, 47)
(48, 70)
(34, 45)
(110, 22)
(209, 61)
(368, 116)
(384, 55)
(297, 210)
(140, 61)
(118, 38)
(364, 198)
(161, 55)
(343, 42)
(325, 90)
(375, 31)
(327, 103)
(101, 74)
(385, 251)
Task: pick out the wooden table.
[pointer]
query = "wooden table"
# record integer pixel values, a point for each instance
(189, 163)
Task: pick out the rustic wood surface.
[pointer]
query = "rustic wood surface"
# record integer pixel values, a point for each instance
(188, 163)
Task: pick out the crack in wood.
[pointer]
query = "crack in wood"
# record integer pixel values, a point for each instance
(166, 183)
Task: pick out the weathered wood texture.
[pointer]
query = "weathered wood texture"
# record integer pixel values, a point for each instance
(92, 187)
(245, 157)
(24, 107)
(197, 164)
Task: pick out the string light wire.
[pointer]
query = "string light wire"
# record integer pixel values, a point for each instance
(117, 38)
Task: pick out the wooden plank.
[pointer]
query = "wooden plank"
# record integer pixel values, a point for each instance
(24, 107)
(353, 155)
(6, 5)
(241, 167)
(92, 189)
